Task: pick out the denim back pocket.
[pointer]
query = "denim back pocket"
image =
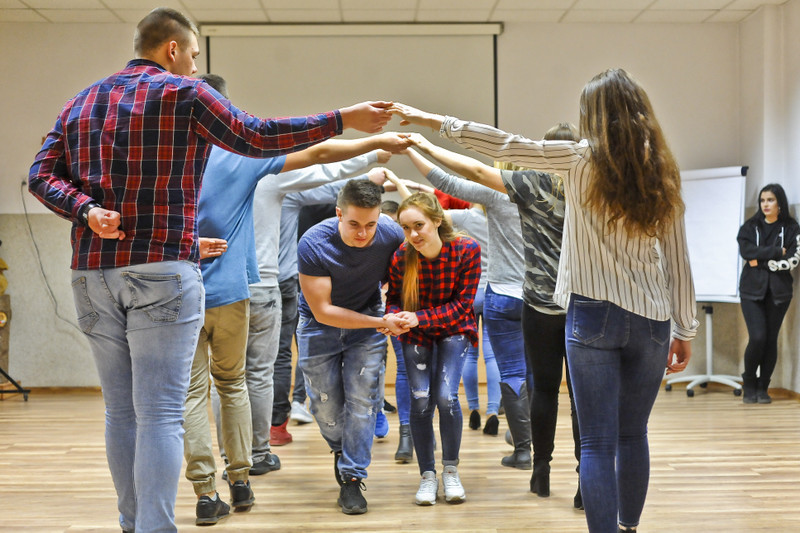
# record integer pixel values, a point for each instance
(660, 331)
(159, 296)
(87, 316)
(590, 318)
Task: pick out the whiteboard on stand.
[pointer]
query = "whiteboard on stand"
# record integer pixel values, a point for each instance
(715, 203)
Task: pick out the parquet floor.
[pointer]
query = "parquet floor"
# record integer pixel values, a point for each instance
(717, 466)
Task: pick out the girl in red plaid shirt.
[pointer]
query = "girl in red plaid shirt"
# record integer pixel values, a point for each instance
(432, 283)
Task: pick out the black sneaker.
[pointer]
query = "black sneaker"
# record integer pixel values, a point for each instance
(209, 511)
(242, 496)
(389, 408)
(350, 498)
(269, 463)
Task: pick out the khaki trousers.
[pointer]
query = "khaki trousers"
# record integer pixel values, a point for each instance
(225, 333)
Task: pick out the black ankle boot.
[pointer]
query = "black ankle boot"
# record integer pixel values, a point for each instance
(540, 480)
(749, 394)
(762, 396)
(405, 448)
(474, 420)
(577, 501)
(492, 425)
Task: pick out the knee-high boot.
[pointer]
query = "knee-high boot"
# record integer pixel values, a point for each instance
(519, 421)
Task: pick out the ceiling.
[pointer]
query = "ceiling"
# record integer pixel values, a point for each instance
(392, 11)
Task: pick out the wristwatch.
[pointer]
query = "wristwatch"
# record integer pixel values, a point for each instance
(83, 214)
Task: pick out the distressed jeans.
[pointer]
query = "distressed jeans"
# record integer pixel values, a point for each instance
(344, 373)
(434, 374)
(616, 363)
(142, 323)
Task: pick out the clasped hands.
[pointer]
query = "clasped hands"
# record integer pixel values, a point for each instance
(398, 323)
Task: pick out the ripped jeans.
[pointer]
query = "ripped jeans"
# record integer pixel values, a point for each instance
(433, 377)
(344, 373)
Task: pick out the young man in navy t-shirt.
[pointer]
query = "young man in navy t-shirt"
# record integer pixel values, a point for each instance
(342, 262)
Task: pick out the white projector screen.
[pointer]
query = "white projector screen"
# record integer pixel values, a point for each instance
(298, 75)
(714, 201)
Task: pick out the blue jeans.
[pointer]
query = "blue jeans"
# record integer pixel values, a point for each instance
(434, 375)
(401, 391)
(344, 370)
(142, 323)
(470, 373)
(616, 363)
(282, 378)
(503, 317)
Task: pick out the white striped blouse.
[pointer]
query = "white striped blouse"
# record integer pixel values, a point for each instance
(647, 276)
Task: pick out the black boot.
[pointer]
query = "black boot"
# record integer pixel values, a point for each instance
(474, 420)
(577, 501)
(540, 480)
(761, 391)
(749, 394)
(405, 448)
(519, 421)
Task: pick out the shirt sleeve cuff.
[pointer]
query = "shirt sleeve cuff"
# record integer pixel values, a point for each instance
(337, 115)
(685, 334)
(451, 127)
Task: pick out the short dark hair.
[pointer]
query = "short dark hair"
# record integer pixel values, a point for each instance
(389, 207)
(159, 26)
(359, 193)
(217, 82)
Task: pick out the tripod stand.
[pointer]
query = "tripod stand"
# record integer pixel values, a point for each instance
(19, 389)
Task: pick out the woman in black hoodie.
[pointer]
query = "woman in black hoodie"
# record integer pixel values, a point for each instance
(768, 242)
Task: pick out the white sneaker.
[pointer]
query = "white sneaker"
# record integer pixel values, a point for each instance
(300, 414)
(453, 490)
(428, 487)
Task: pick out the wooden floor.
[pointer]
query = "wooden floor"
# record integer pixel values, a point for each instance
(717, 466)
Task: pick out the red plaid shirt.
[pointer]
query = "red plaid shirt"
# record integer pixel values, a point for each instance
(447, 286)
(137, 143)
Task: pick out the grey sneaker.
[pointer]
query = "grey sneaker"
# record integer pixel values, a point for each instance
(300, 414)
(428, 487)
(453, 490)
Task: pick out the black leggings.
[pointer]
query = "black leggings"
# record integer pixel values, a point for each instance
(545, 351)
(763, 319)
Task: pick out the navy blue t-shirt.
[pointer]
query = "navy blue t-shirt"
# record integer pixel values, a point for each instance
(356, 273)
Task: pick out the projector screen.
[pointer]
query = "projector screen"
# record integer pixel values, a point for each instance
(284, 75)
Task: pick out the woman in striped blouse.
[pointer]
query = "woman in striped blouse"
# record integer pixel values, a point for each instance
(623, 274)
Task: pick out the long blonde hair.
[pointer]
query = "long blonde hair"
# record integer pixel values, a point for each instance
(635, 178)
(430, 207)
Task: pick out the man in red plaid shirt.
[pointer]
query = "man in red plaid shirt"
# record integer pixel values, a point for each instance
(124, 163)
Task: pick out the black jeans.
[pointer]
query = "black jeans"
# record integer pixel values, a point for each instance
(282, 379)
(545, 351)
(763, 319)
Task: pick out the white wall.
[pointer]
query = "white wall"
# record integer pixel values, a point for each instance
(698, 77)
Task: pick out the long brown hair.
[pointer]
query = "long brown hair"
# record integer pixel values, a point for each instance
(635, 178)
(430, 207)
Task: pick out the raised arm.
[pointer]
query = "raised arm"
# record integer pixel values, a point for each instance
(400, 185)
(337, 150)
(412, 115)
(470, 168)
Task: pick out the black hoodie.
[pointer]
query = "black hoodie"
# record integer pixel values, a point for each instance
(765, 243)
